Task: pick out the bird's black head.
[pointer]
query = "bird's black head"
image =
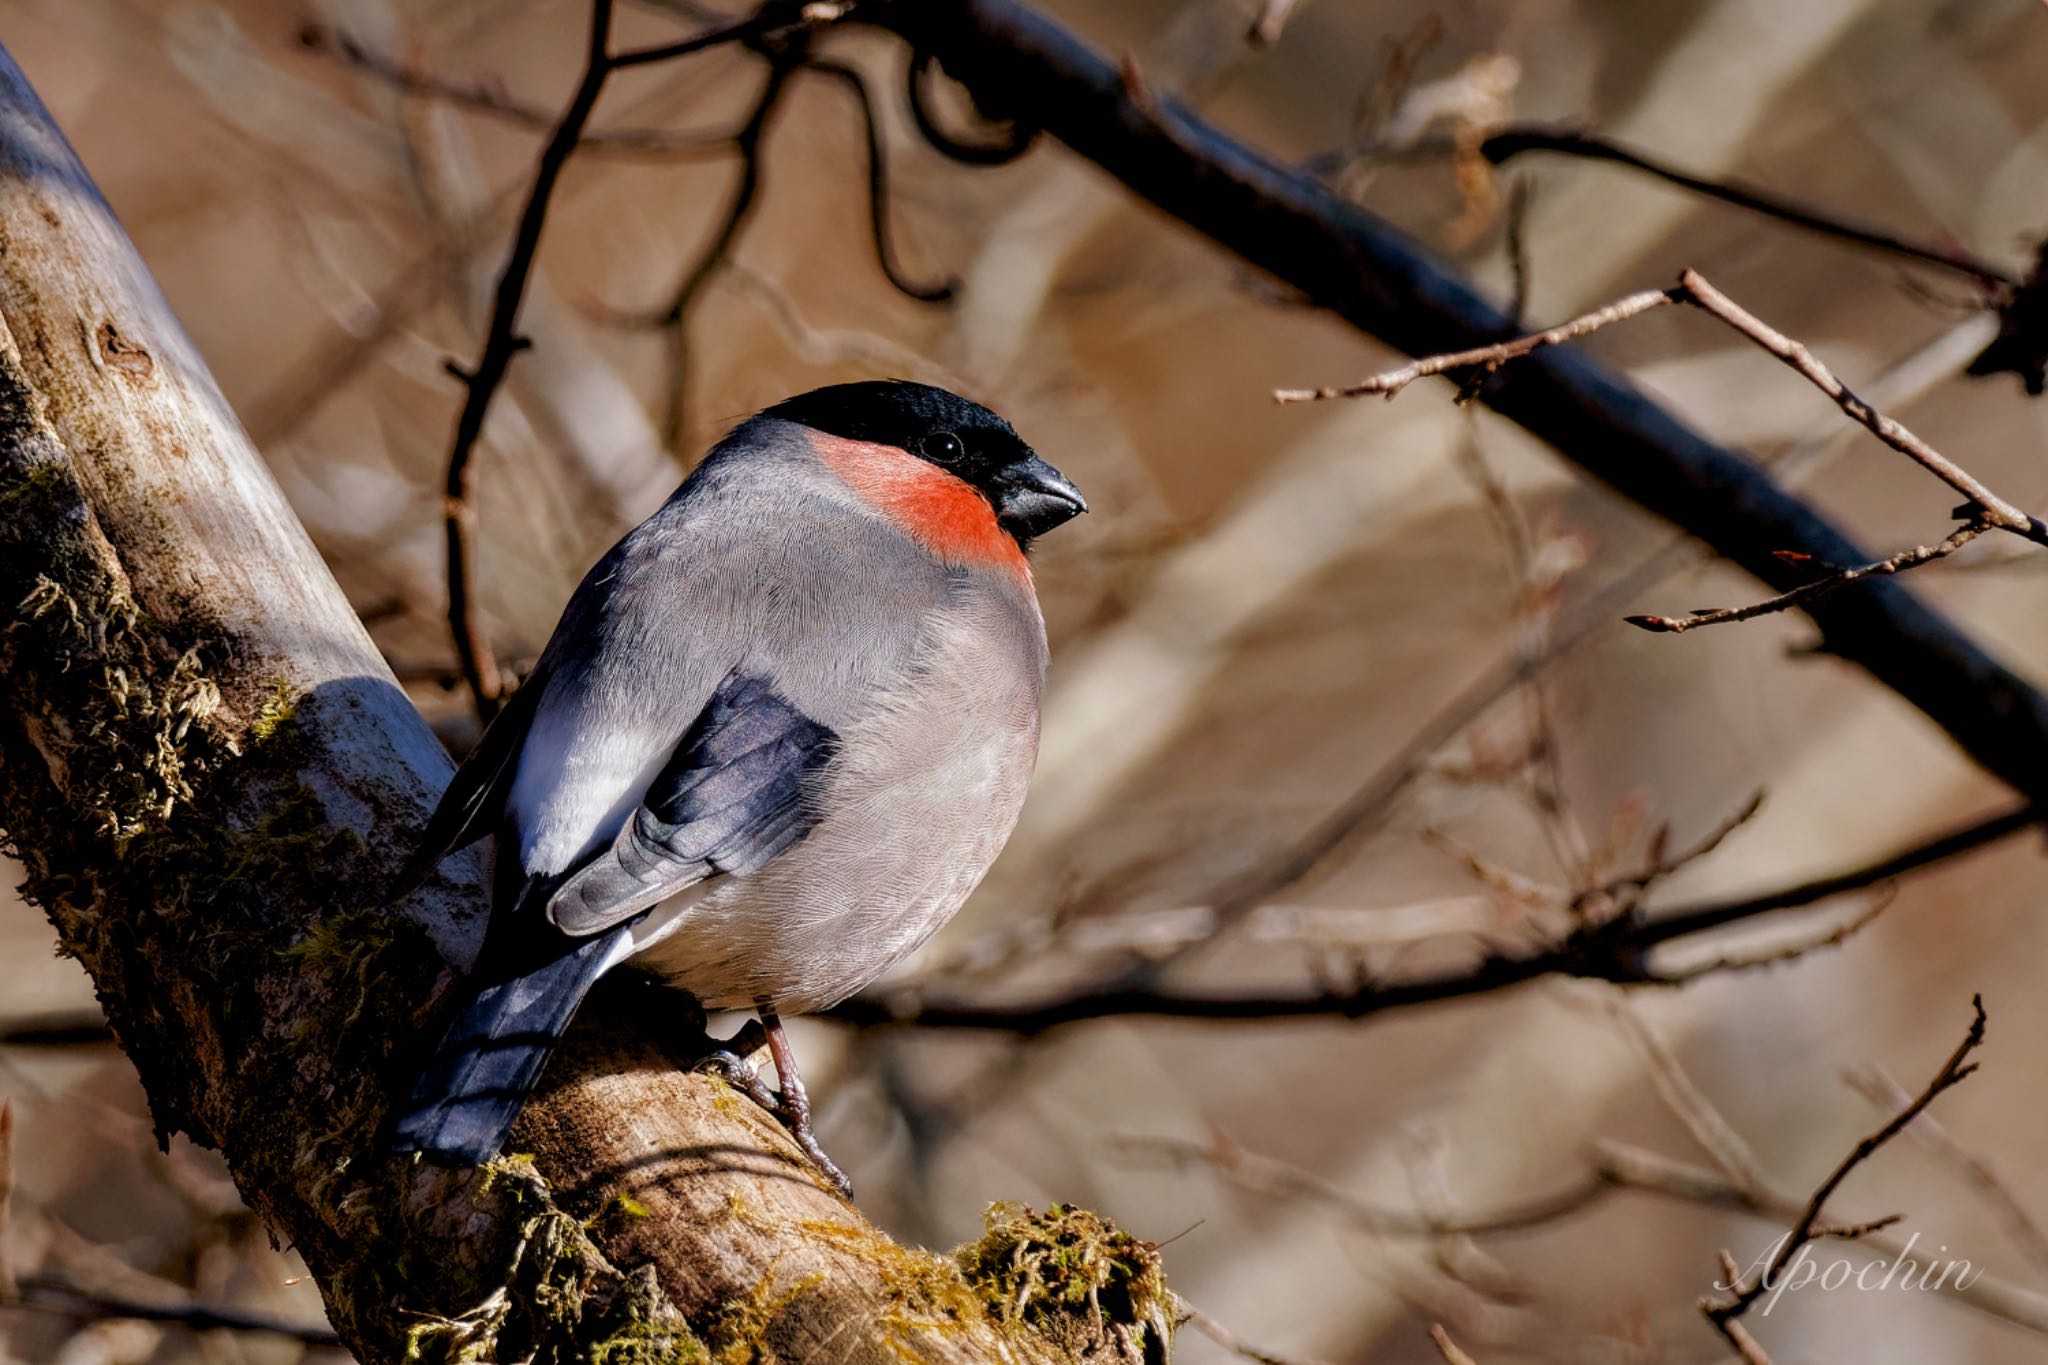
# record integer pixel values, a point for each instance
(963, 438)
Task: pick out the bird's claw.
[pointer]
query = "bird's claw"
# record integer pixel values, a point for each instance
(789, 1106)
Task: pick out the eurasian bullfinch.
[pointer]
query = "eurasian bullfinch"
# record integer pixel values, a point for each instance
(778, 736)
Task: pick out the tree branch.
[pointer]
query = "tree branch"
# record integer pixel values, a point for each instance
(1614, 950)
(208, 774)
(1352, 263)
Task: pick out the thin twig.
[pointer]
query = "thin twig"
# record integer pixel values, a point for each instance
(1267, 1176)
(1611, 951)
(1985, 509)
(878, 188)
(1489, 357)
(502, 341)
(1876, 1084)
(1231, 1341)
(1518, 138)
(1991, 508)
(1680, 1094)
(1612, 1167)
(739, 209)
(1743, 1296)
(1820, 587)
(486, 98)
(1728, 964)
(1953, 843)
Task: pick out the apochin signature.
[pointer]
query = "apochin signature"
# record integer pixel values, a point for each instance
(1806, 1270)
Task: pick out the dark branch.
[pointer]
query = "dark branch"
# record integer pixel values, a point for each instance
(878, 189)
(1615, 950)
(1017, 141)
(1351, 262)
(739, 211)
(1516, 139)
(485, 98)
(772, 23)
(501, 342)
(45, 1294)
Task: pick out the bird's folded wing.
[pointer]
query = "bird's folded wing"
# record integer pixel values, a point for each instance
(737, 791)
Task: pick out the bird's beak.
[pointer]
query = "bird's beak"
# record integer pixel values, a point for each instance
(1032, 498)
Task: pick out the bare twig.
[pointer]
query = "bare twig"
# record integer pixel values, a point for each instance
(1820, 587)
(1515, 139)
(501, 342)
(711, 260)
(1990, 507)
(1612, 1167)
(1963, 839)
(1694, 289)
(1686, 1101)
(1724, 1314)
(1266, 1176)
(1876, 1084)
(1520, 196)
(1729, 963)
(1984, 509)
(1489, 357)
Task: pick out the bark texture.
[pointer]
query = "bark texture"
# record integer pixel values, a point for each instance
(208, 773)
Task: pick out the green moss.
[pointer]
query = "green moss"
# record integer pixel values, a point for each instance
(274, 717)
(1073, 1276)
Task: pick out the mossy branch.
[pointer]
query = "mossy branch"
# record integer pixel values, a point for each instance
(207, 771)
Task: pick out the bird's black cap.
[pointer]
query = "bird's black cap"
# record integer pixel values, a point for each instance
(957, 434)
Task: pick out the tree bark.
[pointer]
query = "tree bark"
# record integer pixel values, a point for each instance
(208, 773)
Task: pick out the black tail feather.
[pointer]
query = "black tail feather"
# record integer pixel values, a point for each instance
(491, 1057)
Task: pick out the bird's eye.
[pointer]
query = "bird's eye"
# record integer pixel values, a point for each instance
(943, 447)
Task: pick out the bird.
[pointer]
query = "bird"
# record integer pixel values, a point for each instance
(777, 738)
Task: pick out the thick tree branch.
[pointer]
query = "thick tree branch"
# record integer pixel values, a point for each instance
(1359, 267)
(208, 774)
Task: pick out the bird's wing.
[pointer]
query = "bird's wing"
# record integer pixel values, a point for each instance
(475, 797)
(735, 793)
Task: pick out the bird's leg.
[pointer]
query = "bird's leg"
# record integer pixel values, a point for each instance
(790, 1103)
(795, 1107)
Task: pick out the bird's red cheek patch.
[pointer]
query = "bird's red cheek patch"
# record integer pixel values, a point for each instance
(942, 512)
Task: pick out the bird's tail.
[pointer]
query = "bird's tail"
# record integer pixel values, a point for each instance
(491, 1057)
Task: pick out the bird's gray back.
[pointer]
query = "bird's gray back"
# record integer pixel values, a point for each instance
(754, 567)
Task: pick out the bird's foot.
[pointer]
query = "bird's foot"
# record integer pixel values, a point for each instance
(790, 1105)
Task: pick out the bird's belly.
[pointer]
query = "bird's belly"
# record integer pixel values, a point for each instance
(915, 811)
